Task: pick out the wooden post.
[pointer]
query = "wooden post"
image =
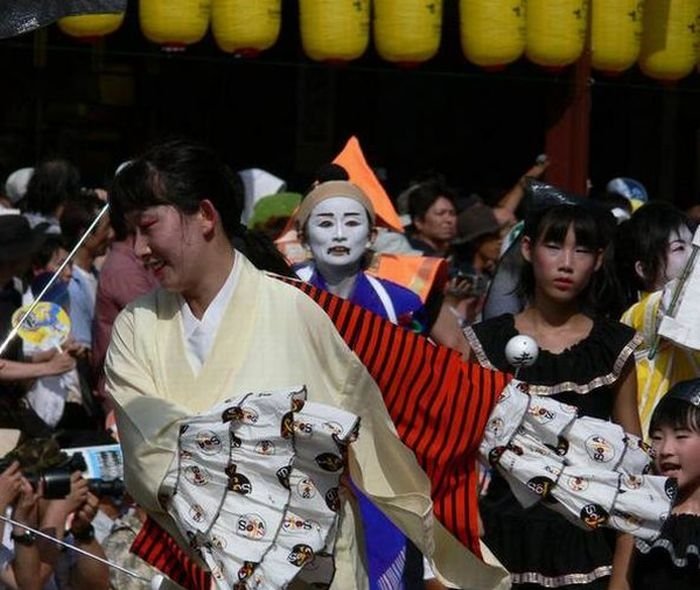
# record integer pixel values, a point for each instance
(568, 128)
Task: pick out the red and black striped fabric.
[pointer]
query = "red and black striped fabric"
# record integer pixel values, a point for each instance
(439, 405)
(160, 550)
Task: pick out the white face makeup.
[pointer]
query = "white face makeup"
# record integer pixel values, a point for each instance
(677, 252)
(338, 232)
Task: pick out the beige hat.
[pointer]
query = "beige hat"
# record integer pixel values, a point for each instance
(328, 190)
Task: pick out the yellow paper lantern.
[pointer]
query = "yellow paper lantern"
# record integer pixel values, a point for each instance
(245, 27)
(492, 31)
(616, 34)
(670, 39)
(334, 30)
(407, 31)
(556, 31)
(174, 23)
(90, 26)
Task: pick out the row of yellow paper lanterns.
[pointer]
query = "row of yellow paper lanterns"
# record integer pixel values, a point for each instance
(661, 36)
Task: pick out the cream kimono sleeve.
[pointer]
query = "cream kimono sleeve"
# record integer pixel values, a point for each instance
(148, 424)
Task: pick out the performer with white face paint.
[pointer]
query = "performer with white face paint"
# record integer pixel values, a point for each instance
(338, 235)
(336, 222)
(652, 250)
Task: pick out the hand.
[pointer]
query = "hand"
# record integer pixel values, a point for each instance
(60, 363)
(10, 485)
(459, 287)
(85, 514)
(77, 351)
(504, 217)
(101, 194)
(26, 509)
(76, 497)
(539, 168)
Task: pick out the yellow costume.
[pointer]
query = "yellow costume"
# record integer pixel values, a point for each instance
(670, 364)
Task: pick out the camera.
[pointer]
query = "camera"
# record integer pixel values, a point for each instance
(477, 283)
(43, 463)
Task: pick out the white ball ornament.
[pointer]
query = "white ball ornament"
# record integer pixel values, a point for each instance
(522, 351)
(156, 582)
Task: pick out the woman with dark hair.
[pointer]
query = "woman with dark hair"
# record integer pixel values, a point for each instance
(652, 248)
(651, 251)
(583, 361)
(236, 399)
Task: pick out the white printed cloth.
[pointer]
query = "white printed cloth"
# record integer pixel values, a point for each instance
(589, 470)
(256, 489)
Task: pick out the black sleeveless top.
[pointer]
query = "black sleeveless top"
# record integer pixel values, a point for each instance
(580, 375)
(673, 559)
(539, 547)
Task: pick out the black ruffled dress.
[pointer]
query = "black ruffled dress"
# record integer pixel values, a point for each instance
(673, 560)
(538, 546)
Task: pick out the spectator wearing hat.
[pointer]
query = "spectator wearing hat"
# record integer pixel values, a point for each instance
(271, 213)
(478, 242)
(16, 188)
(258, 183)
(476, 252)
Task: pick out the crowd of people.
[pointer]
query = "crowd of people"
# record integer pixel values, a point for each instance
(314, 389)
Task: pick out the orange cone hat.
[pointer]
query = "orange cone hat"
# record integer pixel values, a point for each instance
(353, 160)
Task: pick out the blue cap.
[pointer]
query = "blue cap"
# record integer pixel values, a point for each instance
(629, 188)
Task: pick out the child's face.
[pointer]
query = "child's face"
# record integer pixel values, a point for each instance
(562, 270)
(678, 454)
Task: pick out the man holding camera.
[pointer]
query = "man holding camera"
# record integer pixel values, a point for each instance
(31, 562)
(38, 563)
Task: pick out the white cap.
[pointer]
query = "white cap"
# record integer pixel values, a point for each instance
(16, 184)
(258, 184)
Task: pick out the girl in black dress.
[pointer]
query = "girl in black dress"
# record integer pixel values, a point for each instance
(584, 361)
(673, 559)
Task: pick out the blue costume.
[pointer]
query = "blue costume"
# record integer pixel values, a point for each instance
(385, 298)
(387, 548)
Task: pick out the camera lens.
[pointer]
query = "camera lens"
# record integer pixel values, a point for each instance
(56, 483)
(111, 487)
